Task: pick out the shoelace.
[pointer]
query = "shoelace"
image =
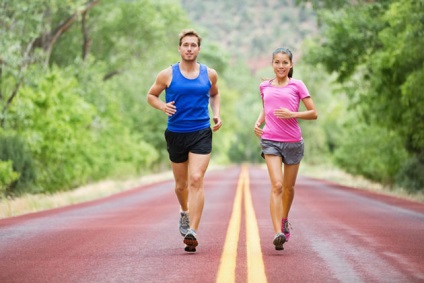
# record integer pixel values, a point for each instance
(185, 220)
(287, 225)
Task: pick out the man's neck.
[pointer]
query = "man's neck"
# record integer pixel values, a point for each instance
(189, 66)
(189, 69)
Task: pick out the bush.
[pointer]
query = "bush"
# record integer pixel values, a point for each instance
(7, 176)
(372, 152)
(411, 176)
(13, 149)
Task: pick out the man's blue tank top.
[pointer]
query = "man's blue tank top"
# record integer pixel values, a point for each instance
(191, 98)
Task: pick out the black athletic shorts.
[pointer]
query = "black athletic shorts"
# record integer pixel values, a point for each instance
(180, 144)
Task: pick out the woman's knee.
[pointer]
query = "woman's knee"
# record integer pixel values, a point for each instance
(277, 188)
(289, 189)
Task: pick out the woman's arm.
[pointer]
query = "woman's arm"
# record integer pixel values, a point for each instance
(261, 119)
(310, 113)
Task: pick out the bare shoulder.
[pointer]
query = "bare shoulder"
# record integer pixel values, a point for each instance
(165, 74)
(164, 78)
(213, 75)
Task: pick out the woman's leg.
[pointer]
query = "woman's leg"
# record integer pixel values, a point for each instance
(274, 164)
(290, 175)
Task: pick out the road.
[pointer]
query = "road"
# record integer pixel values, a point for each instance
(339, 234)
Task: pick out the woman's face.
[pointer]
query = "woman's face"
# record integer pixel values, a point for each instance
(282, 65)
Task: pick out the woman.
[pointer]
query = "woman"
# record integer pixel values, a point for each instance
(281, 137)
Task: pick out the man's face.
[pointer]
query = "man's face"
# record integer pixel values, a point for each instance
(189, 48)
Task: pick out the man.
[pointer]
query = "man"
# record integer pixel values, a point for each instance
(190, 88)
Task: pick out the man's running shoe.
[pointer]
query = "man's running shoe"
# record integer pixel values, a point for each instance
(279, 240)
(191, 241)
(190, 249)
(285, 228)
(184, 223)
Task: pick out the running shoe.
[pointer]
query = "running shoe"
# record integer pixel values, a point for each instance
(190, 240)
(190, 249)
(279, 240)
(184, 223)
(285, 228)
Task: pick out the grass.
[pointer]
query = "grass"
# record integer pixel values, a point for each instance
(33, 203)
(338, 176)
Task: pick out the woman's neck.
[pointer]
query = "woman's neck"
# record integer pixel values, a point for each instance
(280, 81)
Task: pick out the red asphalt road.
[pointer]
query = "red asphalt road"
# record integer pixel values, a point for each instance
(339, 234)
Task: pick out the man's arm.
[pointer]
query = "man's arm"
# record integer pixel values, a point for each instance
(160, 84)
(215, 99)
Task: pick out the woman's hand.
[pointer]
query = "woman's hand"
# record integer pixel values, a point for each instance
(258, 130)
(284, 113)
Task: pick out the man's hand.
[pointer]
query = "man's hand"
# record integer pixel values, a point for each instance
(170, 108)
(218, 123)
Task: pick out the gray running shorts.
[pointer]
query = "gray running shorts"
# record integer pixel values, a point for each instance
(291, 152)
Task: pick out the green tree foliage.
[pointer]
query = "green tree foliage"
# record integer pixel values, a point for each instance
(28, 35)
(17, 170)
(74, 77)
(410, 175)
(251, 29)
(73, 81)
(375, 48)
(360, 145)
(7, 176)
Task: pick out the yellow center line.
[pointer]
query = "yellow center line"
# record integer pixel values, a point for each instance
(255, 265)
(226, 272)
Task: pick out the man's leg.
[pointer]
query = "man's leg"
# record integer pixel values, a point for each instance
(180, 171)
(198, 163)
(181, 190)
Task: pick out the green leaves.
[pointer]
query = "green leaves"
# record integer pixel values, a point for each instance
(82, 117)
(7, 176)
(375, 49)
(54, 121)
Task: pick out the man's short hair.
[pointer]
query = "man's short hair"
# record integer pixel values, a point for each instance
(190, 32)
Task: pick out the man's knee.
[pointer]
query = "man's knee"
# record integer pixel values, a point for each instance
(181, 187)
(196, 180)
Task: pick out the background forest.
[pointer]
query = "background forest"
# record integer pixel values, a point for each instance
(74, 77)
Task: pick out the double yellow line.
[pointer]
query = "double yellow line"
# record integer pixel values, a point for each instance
(255, 265)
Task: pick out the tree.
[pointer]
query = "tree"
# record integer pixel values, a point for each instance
(375, 48)
(79, 122)
(27, 26)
